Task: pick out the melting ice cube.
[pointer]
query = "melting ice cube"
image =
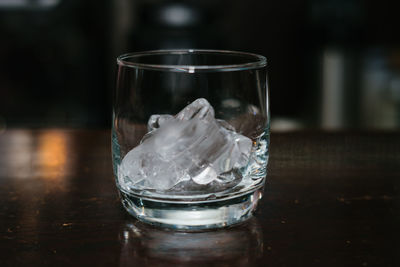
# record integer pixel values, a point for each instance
(190, 146)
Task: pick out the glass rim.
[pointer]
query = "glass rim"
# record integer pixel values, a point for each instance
(255, 61)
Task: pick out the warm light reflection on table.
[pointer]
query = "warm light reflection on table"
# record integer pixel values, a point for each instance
(41, 155)
(39, 163)
(51, 158)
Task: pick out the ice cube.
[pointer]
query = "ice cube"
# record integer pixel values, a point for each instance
(156, 121)
(148, 170)
(206, 176)
(191, 145)
(226, 125)
(200, 108)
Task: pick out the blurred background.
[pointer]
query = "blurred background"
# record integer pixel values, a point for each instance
(333, 64)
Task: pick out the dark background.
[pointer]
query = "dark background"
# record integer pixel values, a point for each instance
(332, 63)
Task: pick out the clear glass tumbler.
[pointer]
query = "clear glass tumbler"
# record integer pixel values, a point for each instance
(190, 136)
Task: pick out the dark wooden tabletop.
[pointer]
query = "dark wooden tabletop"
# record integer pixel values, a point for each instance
(332, 199)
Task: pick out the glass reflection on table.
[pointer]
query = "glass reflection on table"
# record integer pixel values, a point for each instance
(234, 246)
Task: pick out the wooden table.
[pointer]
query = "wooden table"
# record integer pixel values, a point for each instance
(332, 199)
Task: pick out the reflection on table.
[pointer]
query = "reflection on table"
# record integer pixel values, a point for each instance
(235, 246)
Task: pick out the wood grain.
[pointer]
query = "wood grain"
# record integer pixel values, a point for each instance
(332, 199)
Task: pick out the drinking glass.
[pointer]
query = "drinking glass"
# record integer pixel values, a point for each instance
(190, 136)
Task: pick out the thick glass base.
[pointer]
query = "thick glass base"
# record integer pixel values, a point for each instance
(192, 215)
